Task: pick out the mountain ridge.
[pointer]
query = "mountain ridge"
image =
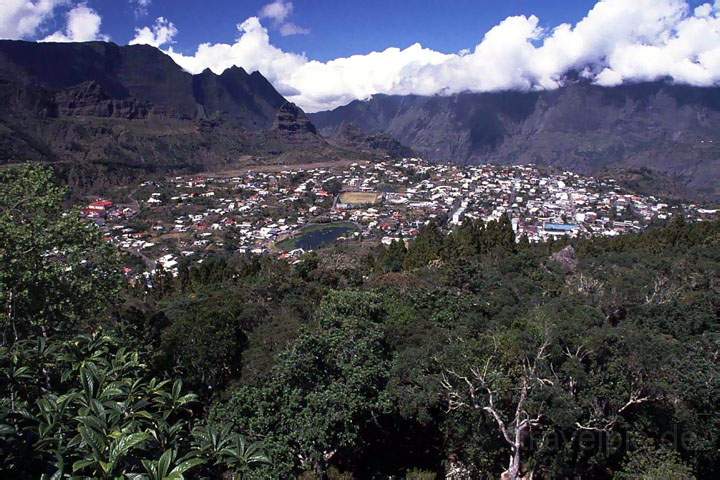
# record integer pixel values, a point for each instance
(107, 114)
(142, 73)
(671, 129)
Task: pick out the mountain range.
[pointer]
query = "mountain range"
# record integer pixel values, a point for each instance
(671, 131)
(105, 113)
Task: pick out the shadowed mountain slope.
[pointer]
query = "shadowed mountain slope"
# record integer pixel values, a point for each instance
(105, 113)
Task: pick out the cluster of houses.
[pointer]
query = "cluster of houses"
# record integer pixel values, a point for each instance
(253, 212)
(101, 210)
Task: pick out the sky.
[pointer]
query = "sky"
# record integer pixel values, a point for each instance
(322, 54)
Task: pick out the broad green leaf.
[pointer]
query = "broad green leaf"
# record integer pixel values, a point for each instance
(187, 465)
(80, 464)
(164, 463)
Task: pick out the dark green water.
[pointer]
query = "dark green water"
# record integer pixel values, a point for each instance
(315, 239)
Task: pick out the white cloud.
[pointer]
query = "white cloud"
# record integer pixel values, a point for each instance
(161, 33)
(289, 28)
(618, 41)
(23, 18)
(252, 51)
(278, 12)
(141, 6)
(83, 25)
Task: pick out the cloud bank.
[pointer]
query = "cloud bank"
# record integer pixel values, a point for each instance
(617, 41)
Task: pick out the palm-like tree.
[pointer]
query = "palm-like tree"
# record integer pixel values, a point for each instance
(240, 456)
(165, 468)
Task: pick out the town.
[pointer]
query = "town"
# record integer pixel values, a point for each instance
(287, 212)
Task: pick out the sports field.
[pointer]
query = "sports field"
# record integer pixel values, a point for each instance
(360, 198)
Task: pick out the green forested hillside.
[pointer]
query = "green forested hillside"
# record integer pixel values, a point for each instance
(466, 353)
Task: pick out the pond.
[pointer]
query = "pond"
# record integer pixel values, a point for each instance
(318, 236)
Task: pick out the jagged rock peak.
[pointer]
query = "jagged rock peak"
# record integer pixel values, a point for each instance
(235, 70)
(292, 120)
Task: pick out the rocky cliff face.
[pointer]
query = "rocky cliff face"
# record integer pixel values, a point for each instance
(88, 99)
(672, 130)
(236, 96)
(291, 121)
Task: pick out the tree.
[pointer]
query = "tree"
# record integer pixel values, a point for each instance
(323, 391)
(496, 235)
(55, 269)
(204, 341)
(241, 457)
(426, 247)
(222, 447)
(626, 369)
(167, 467)
(393, 257)
(504, 384)
(464, 241)
(477, 237)
(74, 399)
(93, 407)
(651, 463)
(333, 186)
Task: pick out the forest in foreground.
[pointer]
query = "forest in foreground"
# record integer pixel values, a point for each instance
(460, 356)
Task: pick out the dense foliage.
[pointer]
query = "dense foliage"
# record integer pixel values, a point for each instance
(55, 272)
(78, 398)
(465, 353)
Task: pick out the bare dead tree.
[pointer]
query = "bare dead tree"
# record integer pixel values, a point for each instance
(603, 416)
(603, 421)
(663, 291)
(477, 391)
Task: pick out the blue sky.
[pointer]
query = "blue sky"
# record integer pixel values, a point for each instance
(322, 54)
(340, 28)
